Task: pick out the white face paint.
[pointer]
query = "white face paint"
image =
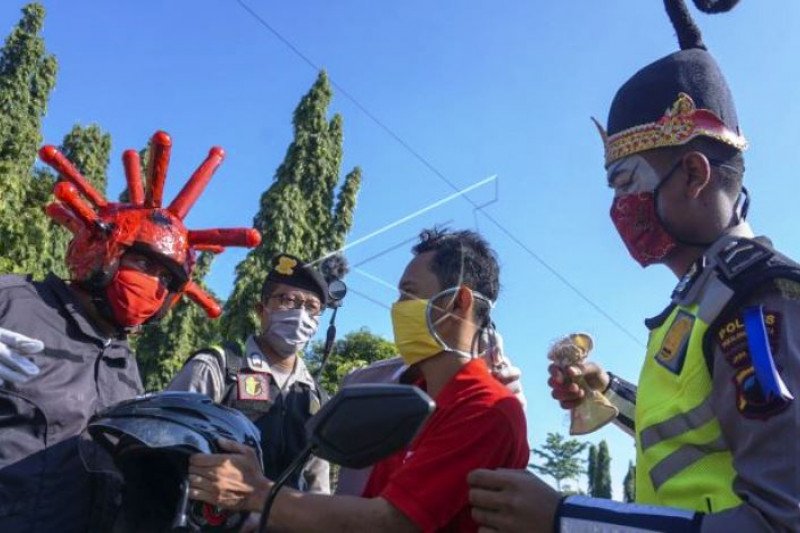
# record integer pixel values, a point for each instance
(632, 175)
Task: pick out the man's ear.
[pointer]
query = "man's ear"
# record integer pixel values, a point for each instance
(463, 301)
(259, 308)
(698, 172)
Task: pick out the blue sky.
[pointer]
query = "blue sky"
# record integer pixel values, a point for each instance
(475, 88)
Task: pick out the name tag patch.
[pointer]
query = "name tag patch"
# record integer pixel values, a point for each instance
(673, 349)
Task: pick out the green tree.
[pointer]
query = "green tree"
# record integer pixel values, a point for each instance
(602, 475)
(27, 76)
(591, 469)
(356, 350)
(560, 458)
(162, 347)
(629, 484)
(301, 212)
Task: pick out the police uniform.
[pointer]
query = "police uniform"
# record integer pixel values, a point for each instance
(280, 411)
(246, 382)
(43, 483)
(714, 415)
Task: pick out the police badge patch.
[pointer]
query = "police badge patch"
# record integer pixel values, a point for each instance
(253, 386)
(751, 399)
(672, 353)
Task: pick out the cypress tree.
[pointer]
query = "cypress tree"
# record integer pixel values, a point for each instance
(27, 76)
(300, 213)
(629, 484)
(591, 469)
(602, 483)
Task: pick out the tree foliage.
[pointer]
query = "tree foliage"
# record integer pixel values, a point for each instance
(560, 458)
(301, 212)
(27, 76)
(602, 475)
(629, 484)
(591, 469)
(356, 350)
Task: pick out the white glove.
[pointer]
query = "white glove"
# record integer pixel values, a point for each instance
(14, 366)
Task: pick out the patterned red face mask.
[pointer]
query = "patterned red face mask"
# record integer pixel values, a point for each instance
(134, 297)
(637, 222)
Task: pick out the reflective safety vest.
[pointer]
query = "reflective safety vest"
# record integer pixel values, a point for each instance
(682, 459)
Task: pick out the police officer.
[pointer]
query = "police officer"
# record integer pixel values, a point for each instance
(715, 417)
(64, 354)
(270, 382)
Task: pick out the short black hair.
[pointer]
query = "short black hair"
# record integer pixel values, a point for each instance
(462, 257)
(727, 162)
(267, 288)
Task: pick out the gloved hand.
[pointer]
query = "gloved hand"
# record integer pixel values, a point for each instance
(14, 366)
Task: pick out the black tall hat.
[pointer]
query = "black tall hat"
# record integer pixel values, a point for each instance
(676, 98)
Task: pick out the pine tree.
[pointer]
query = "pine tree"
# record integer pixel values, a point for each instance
(300, 213)
(629, 484)
(162, 347)
(27, 76)
(591, 469)
(602, 476)
(561, 458)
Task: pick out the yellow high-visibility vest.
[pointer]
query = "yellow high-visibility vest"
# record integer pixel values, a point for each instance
(681, 457)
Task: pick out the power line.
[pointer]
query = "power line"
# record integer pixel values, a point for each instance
(427, 164)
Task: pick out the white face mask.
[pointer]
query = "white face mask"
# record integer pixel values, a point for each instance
(289, 330)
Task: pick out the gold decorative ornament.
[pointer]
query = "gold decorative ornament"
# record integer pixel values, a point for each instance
(680, 124)
(285, 265)
(595, 410)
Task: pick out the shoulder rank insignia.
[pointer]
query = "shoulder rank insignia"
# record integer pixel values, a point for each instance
(672, 353)
(739, 256)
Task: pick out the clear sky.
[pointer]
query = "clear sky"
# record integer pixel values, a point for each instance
(476, 89)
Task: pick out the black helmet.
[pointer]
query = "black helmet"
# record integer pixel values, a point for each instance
(148, 441)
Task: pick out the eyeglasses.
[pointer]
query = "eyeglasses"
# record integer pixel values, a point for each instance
(292, 301)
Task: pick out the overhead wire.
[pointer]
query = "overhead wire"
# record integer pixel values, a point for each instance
(439, 174)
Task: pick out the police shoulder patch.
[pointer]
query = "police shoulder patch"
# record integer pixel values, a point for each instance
(253, 386)
(751, 399)
(673, 349)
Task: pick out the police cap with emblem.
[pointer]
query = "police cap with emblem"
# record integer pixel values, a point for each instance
(675, 99)
(292, 271)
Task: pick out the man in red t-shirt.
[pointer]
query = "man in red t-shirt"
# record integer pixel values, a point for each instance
(446, 294)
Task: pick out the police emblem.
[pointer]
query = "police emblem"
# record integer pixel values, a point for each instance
(752, 401)
(253, 387)
(672, 353)
(285, 265)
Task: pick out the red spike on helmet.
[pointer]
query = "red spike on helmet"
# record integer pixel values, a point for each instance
(104, 231)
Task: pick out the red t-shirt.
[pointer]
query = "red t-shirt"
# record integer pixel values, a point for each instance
(477, 423)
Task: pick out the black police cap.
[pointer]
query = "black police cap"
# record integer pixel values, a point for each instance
(291, 270)
(646, 96)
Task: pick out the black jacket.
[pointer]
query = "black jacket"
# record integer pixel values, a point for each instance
(43, 483)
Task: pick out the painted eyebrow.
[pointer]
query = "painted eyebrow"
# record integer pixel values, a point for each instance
(619, 171)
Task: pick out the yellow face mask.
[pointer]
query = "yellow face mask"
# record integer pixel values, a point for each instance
(413, 330)
(411, 335)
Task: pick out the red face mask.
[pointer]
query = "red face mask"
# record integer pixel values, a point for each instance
(134, 297)
(638, 224)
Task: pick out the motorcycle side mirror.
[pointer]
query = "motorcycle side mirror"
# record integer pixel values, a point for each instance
(337, 290)
(365, 423)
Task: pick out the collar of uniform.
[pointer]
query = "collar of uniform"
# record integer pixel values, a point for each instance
(251, 351)
(76, 312)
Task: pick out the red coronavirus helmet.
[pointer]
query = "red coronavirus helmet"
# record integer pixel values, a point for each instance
(103, 231)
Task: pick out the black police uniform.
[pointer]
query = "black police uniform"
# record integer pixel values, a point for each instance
(43, 483)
